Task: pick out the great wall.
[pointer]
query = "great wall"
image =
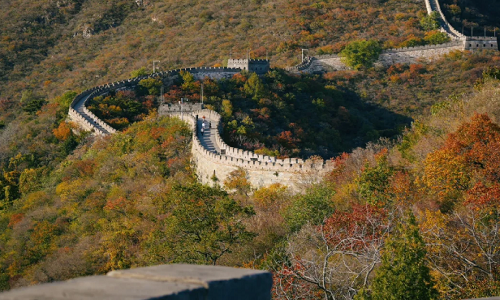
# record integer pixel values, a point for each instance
(213, 159)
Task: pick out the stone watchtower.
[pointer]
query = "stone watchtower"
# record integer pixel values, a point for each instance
(259, 66)
(480, 43)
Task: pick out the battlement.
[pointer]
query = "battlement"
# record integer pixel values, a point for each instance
(425, 47)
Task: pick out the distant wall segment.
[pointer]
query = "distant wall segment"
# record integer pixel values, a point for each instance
(408, 54)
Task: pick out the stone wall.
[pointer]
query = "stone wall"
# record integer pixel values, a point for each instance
(173, 282)
(404, 55)
(84, 118)
(409, 55)
(433, 5)
(262, 170)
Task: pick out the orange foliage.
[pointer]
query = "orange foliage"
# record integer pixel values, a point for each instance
(63, 132)
(15, 218)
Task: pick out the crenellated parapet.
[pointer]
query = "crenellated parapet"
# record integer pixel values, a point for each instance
(433, 6)
(259, 66)
(79, 113)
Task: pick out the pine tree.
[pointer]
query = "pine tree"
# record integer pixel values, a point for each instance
(403, 273)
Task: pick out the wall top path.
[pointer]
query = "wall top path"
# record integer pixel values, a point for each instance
(175, 282)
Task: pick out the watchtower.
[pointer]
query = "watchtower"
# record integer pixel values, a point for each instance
(259, 66)
(480, 43)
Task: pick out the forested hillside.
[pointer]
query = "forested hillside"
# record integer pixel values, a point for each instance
(416, 148)
(131, 200)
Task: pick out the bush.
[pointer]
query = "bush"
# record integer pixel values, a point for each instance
(359, 54)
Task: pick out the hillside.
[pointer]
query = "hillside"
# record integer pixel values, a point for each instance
(131, 200)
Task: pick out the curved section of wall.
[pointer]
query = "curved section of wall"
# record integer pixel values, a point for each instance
(412, 54)
(79, 113)
(262, 170)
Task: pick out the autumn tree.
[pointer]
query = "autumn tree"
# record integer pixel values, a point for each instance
(238, 181)
(336, 258)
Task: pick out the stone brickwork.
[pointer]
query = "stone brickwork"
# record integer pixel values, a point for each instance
(481, 43)
(262, 170)
(85, 119)
(173, 282)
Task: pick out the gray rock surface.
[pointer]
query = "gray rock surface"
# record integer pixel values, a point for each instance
(172, 282)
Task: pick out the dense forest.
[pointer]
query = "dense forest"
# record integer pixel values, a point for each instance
(415, 146)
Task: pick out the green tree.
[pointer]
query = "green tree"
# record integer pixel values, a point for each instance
(149, 86)
(436, 37)
(254, 87)
(31, 102)
(374, 181)
(359, 54)
(403, 273)
(314, 206)
(204, 223)
(430, 22)
(139, 72)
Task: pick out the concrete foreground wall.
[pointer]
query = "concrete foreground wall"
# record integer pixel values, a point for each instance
(172, 282)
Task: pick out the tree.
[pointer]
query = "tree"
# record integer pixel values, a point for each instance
(312, 207)
(254, 87)
(436, 37)
(336, 258)
(430, 22)
(139, 72)
(374, 181)
(31, 103)
(149, 86)
(403, 273)
(202, 224)
(359, 54)
(238, 181)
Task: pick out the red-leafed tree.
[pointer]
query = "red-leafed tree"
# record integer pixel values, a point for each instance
(336, 259)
